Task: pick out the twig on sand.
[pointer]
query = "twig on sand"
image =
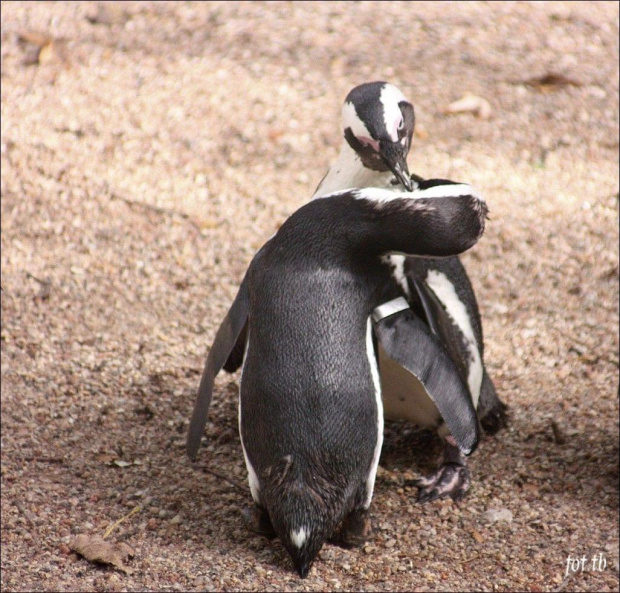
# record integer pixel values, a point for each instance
(229, 480)
(112, 527)
(156, 209)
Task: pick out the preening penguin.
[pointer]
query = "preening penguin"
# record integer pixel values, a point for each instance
(378, 124)
(310, 409)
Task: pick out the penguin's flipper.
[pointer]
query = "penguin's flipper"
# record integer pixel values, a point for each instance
(223, 345)
(408, 341)
(235, 360)
(439, 321)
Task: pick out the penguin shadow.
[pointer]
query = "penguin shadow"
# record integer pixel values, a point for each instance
(409, 447)
(582, 466)
(219, 483)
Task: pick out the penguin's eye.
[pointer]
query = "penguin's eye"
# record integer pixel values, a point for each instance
(401, 123)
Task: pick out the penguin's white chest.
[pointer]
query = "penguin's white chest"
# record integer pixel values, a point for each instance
(404, 397)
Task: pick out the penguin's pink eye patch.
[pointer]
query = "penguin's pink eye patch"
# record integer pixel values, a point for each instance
(397, 125)
(369, 142)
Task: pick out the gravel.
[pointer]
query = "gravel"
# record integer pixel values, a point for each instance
(149, 149)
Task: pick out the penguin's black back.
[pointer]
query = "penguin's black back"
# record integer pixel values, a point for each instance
(311, 416)
(307, 374)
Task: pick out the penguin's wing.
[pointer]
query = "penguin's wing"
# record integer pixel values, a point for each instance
(441, 324)
(408, 341)
(223, 345)
(235, 360)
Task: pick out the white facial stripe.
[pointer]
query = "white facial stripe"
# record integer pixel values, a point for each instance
(438, 191)
(299, 537)
(390, 98)
(350, 119)
(446, 293)
(374, 371)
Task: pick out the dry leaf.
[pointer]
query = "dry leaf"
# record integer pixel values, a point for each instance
(34, 37)
(108, 14)
(47, 53)
(470, 104)
(477, 536)
(95, 549)
(46, 48)
(552, 79)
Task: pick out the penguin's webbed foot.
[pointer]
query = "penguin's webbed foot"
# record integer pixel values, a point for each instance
(451, 479)
(257, 520)
(355, 530)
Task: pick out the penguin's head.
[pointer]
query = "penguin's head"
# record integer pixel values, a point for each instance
(378, 125)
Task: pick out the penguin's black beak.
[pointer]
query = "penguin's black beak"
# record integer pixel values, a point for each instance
(393, 155)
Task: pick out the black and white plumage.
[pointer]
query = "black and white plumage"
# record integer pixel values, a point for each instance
(311, 413)
(378, 124)
(438, 290)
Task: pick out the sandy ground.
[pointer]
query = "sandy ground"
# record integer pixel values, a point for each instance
(148, 150)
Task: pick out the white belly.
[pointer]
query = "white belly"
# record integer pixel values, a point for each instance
(404, 397)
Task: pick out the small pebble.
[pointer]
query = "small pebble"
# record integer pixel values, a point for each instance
(64, 549)
(496, 515)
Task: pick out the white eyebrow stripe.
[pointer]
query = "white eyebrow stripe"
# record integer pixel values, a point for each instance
(390, 98)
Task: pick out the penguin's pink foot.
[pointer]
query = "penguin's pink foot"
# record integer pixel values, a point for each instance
(257, 520)
(451, 478)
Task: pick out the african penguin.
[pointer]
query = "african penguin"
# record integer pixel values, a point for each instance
(310, 407)
(378, 124)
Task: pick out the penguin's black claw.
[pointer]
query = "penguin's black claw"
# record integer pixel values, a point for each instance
(257, 520)
(451, 479)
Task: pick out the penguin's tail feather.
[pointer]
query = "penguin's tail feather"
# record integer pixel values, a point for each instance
(305, 507)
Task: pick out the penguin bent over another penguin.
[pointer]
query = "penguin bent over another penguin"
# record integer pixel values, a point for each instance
(377, 126)
(310, 407)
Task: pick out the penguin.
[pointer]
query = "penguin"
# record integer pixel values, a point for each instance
(378, 124)
(313, 308)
